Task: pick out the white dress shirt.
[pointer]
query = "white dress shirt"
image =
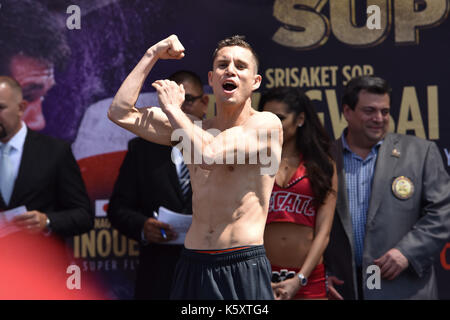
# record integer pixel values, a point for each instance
(17, 142)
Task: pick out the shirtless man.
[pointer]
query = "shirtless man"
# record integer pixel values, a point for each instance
(224, 256)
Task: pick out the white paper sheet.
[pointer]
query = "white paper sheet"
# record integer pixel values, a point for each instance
(6, 227)
(179, 222)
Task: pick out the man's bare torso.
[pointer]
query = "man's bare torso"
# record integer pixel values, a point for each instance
(229, 203)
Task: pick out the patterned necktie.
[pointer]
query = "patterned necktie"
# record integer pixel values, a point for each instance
(184, 180)
(6, 173)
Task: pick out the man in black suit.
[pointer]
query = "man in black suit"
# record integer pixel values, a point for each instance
(147, 180)
(38, 172)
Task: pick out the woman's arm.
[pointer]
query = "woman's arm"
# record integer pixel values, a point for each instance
(324, 222)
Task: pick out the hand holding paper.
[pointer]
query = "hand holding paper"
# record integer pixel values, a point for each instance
(180, 223)
(7, 225)
(152, 231)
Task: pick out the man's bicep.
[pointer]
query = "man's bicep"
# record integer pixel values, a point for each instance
(149, 123)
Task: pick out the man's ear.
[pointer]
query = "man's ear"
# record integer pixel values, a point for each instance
(257, 82)
(22, 106)
(205, 101)
(210, 78)
(346, 111)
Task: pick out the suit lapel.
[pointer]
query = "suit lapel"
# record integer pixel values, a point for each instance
(27, 167)
(342, 200)
(175, 180)
(2, 203)
(384, 168)
(173, 177)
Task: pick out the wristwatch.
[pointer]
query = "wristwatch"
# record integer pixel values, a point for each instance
(303, 279)
(47, 224)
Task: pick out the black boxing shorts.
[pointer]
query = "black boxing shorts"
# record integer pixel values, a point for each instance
(242, 273)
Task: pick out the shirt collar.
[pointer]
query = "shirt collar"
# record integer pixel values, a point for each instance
(18, 140)
(347, 148)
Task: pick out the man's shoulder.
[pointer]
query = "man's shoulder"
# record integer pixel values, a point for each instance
(47, 141)
(263, 119)
(256, 120)
(409, 140)
(264, 115)
(47, 147)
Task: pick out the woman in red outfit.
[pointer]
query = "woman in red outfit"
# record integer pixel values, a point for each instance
(303, 199)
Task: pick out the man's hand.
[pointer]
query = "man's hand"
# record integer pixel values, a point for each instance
(169, 48)
(333, 294)
(391, 264)
(32, 221)
(170, 94)
(152, 231)
(287, 289)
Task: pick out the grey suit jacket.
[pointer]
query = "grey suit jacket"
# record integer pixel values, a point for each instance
(418, 226)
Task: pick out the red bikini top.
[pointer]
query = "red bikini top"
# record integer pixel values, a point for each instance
(295, 202)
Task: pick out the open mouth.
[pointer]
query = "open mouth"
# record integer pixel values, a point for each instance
(229, 86)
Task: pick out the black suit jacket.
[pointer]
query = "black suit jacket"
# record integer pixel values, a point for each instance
(49, 180)
(146, 181)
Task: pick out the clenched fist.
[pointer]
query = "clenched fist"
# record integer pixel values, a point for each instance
(169, 48)
(170, 94)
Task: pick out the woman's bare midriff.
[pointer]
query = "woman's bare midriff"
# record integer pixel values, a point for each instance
(287, 244)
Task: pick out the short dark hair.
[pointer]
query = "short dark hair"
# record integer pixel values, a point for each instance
(186, 75)
(236, 40)
(27, 27)
(371, 84)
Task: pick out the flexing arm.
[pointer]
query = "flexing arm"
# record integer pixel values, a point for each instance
(255, 141)
(149, 123)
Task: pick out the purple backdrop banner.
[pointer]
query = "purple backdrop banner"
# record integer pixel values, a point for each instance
(317, 45)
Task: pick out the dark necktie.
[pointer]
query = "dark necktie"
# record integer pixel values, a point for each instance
(184, 181)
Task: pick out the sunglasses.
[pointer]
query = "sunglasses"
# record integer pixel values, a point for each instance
(189, 99)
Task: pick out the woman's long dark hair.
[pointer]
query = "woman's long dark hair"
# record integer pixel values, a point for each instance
(312, 140)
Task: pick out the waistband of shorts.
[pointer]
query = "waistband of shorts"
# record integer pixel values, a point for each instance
(235, 255)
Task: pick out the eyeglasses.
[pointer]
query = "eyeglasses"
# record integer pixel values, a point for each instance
(189, 99)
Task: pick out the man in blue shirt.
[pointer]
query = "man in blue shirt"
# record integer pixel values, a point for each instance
(393, 205)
